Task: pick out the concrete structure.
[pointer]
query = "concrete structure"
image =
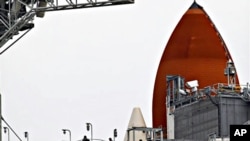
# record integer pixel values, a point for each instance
(206, 114)
(203, 118)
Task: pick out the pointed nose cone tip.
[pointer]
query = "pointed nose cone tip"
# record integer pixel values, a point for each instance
(136, 120)
(195, 5)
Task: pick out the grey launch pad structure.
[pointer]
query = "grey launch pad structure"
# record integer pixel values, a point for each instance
(206, 114)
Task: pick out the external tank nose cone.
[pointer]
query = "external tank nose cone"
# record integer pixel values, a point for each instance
(195, 51)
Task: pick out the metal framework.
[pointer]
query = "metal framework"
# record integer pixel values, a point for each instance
(152, 134)
(14, 18)
(205, 114)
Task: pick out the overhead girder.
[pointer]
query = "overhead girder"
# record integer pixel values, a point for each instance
(15, 18)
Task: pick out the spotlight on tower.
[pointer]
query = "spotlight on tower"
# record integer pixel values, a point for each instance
(193, 85)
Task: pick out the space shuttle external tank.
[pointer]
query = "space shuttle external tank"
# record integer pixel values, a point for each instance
(195, 51)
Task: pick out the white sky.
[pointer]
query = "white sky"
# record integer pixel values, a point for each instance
(94, 65)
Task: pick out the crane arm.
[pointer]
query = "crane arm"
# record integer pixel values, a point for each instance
(55, 5)
(19, 15)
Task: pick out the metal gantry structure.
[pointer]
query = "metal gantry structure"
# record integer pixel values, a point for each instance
(151, 134)
(205, 114)
(16, 16)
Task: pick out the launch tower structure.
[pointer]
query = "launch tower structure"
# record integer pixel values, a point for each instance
(205, 114)
(15, 18)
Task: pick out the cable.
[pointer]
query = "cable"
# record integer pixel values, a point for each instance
(14, 42)
(10, 128)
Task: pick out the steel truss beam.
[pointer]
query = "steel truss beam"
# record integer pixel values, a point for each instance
(11, 24)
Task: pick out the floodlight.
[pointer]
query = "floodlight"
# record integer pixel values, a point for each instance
(192, 84)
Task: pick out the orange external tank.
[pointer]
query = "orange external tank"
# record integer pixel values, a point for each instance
(195, 51)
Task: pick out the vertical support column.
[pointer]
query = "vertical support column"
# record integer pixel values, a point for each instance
(0, 117)
(170, 124)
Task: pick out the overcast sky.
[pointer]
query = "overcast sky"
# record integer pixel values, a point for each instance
(94, 65)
